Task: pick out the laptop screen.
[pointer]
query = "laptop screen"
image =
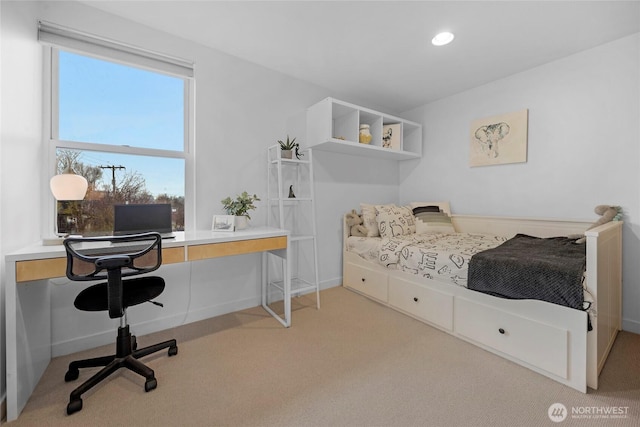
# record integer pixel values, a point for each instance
(133, 219)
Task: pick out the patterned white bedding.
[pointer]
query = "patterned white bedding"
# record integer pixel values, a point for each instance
(443, 257)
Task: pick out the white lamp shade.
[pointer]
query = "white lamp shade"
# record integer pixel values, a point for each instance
(68, 186)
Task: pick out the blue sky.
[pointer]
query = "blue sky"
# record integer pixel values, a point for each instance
(109, 103)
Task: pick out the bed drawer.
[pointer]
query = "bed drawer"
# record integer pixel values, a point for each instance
(536, 343)
(427, 304)
(369, 282)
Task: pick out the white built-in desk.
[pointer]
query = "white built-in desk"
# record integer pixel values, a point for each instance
(28, 313)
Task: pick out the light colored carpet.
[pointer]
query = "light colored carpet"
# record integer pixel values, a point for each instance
(351, 363)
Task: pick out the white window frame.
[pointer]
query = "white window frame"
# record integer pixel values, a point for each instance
(51, 115)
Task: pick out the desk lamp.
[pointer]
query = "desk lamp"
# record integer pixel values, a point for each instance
(66, 186)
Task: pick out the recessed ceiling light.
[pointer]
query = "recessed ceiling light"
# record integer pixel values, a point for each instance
(442, 39)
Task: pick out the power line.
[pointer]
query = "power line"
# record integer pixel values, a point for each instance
(113, 174)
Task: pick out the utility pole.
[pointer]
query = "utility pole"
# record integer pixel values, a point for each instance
(113, 175)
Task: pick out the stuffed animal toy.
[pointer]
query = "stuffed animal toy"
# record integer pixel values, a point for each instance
(354, 222)
(607, 213)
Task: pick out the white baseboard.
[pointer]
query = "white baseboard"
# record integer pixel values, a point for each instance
(631, 326)
(331, 283)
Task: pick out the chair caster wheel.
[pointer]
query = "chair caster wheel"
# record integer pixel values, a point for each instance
(74, 406)
(150, 384)
(173, 350)
(71, 375)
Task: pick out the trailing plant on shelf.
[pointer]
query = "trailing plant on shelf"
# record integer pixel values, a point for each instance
(290, 146)
(241, 205)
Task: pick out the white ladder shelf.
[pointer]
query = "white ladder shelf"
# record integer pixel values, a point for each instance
(296, 214)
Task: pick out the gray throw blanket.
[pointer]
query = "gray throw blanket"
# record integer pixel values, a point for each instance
(526, 267)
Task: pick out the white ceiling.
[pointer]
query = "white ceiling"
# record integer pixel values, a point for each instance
(380, 51)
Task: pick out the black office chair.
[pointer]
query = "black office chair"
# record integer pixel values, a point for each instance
(113, 258)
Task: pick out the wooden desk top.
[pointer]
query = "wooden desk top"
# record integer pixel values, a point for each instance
(38, 262)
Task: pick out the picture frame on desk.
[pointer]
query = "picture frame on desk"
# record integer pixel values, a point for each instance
(223, 223)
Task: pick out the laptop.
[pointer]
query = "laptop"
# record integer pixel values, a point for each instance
(135, 219)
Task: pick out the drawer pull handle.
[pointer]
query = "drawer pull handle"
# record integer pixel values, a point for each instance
(415, 299)
(363, 279)
(501, 331)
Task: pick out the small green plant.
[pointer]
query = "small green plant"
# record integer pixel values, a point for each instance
(288, 145)
(291, 145)
(241, 205)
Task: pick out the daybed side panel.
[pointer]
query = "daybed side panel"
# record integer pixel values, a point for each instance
(604, 262)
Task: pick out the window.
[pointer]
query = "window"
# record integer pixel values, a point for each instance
(121, 125)
(108, 103)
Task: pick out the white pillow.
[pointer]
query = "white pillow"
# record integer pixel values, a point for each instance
(395, 220)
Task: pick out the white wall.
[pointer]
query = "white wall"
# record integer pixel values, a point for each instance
(583, 149)
(342, 182)
(20, 129)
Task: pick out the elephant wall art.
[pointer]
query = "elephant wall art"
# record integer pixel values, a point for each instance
(499, 139)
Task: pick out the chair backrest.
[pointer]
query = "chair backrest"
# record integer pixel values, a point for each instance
(86, 256)
(112, 258)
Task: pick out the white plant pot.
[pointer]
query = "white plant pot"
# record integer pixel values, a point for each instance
(287, 154)
(242, 222)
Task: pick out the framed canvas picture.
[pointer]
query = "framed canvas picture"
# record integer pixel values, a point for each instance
(392, 136)
(499, 139)
(223, 223)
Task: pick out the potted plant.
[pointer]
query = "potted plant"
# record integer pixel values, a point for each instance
(240, 207)
(288, 147)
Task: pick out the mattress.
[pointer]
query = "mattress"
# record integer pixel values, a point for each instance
(443, 257)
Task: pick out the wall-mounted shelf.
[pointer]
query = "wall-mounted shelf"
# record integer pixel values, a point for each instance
(333, 125)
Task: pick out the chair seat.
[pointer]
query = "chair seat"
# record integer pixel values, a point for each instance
(135, 291)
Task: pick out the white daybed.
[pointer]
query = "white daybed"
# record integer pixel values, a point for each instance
(548, 338)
